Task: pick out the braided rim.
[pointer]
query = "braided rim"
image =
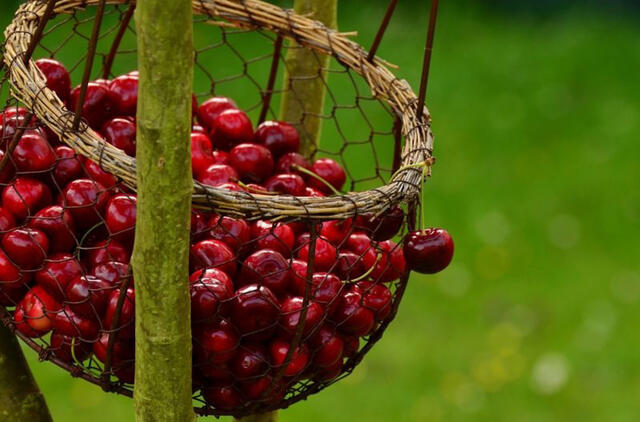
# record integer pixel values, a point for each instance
(28, 85)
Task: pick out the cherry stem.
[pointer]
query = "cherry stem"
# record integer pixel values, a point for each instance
(368, 273)
(316, 176)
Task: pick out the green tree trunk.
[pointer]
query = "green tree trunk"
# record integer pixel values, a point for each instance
(305, 78)
(264, 417)
(161, 252)
(20, 398)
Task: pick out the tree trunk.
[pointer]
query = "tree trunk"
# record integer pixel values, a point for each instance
(264, 417)
(20, 398)
(161, 252)
(305, 79)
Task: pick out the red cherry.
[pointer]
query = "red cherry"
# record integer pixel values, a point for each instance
(70, 324)
(102, 82)
(11, 295)
(58, 225)
(59, 270)
(268, 268)
(249, 361)
(234, 232)
(124, 92)
(121, 133)
(287, 184)
(57, 76)
(86, 200)
(279, 137)
(207, 294)
(201, 153)
(298, 278)
(391, 265)
(25, 197)
(199, 227)
(61, 345)
(291, 312)
(326, 347)
(336, 231)
(230, 127)
(351, 316)
(97, 174)
(122, 354)
(220, 157)
(377, 298)
(326, 289)
(255, 389)
(222, 396)
(198, 129)
(278, 237)
(349, 266)
(120, 217)
(217, 344)
(359, 243)
(9, 169)
(7, 222)
(351, 345)
(87, 296)
(325, 255)
(217, 174)
(329, 373)
(211, 108)
(33, 154)
(231, 186)
(428, 251)
(11, 277)
(98, 105)
(21, 322)
(39, 309)
(126, 324)
(26, 247)
(106, 251)
(112, 272)
(385, 226)
(299, 358)
(287, 163)
(68, 166)
(213, 253)
(330, 171)
(314, 192)
(254, 163)
(255, 312)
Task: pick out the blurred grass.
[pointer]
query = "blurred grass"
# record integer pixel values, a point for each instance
(537, 125)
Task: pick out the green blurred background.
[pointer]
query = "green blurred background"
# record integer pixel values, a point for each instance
(536, 112)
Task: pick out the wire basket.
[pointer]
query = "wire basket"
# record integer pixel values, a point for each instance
(335, 273)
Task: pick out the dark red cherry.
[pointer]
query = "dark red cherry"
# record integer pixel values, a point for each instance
(326, 289)
(120, 217)
(279, 137)
(26, 247)
(268, 268)
(106, 251)
(59, 270)
(351, 345)
(330, 171)
(385, 226)
(229, 128)
(71, 324)
(199, 227)
(121, 133)
(96, 173)
(428, 251)
(291, 313)
(57, 76)
(124, 92)
(123, 352)
(298, 277)
(61, 346)
(211, 108)
(39, 309)
(33, 154)
(220, 157)
(213, 253)
(25, 197)
(217, 344)
(349, 266)
(286, 183)
(112, 272)
(236, 233)
(329, 373)
(254, 163)
(377, 298)
(11, 277)
(68, 166)
(336, 231)
(288, 162)
(326, 347)
(7, 222)
(9, 169)
(207, 296)
(391, 264)
(309, 191)
(299, 358)
(86, 200)
(213, 274)
(98, 105)
(58, 225)
(351, 316)
(126, 323)
(255, 312)
(267, 235)
(87, 295)
(21, 322)
(249, 361)
(325, 255)
(222, 396)
(201, 153)
(217, 174)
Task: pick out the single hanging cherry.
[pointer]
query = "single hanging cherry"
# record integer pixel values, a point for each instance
(428, 251)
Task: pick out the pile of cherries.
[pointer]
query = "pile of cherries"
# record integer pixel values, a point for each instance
(67, 232)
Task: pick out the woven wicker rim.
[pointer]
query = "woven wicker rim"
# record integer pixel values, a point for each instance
(28, 85)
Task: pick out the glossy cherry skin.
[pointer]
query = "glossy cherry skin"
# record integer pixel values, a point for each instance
(11, 277)
(298, 277)
(211, 108)
(208, 296)
(326, 289)
(220, 157)
(385, 226)
(199, 228)
(349, 266)
(268, 268)
(68, 166)
(255, 312)
(330, 171)
(87, 295)
(61, 345)
(120, 217)
(25, 197)
(309, 191)
(377, 298)
(217, 174)
(278, 350)
(351, 316)
(351, 344)
(279, 137)
(126, 324)
(222, 396)
(428, 251)
(254, 163)
(33, 154)
(39, 309)
(326, 347)
(113, 272)
(336, 231)
(278, 237)
(229, 128)
(124, 92)
(58, 225)
(121, 133)
(201, 153)
(291, 313)
(96, 173)
(98, 105)
(106, 251)
(249, 361)
(59, 270)
(236, 233)
(86, 201)
(21, 322)
(213, 253)
(122, 353)
(57, 76)
(287, 163)
(26, 247)
(71, 324)
(214, 274)
(286, 183)
(217, 344)
(8, 171)
(231, 186)
(325, 255)
(7, 222)
(391, 264)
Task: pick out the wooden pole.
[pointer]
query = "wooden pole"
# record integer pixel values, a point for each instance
(20, 398)
(305, 78)
(161, 252)
(264, 417)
